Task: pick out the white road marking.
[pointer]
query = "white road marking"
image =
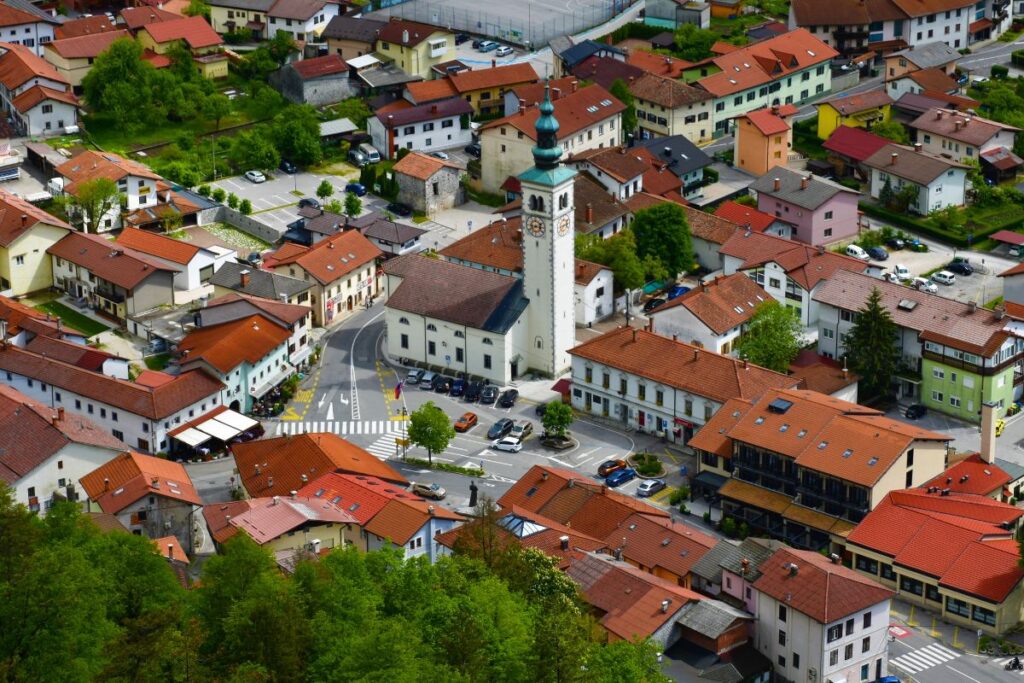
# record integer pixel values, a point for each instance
(496, 462)
(352, 365)
(330, 411)
(958, 671)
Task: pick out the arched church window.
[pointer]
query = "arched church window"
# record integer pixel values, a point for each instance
(563, 200)
(488, 342)
(539, 343)
(536, 203)
(431, 327)
(404, 321)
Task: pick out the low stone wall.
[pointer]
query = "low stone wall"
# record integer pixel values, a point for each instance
(250, 225)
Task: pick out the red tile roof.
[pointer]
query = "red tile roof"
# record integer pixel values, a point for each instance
(22, 317)
(396, 29)
(335, 257)
(960, 539)
(360, 495)
(89, 165)
(123, 267)
(277, 466)
(854, 143)
(38, 94)
(422, 166)
(503, 76)
(18, 65)
(768, 121)
(18, 217)
(137, 17)
(659, 65)
(532, 94)
(621, 163)
(400, 519)
(83, 26)
(572, 110)
(272, 517)
(130, 476)
(744, 215)
(680, 365)
(823, 590)
(934, 79)
(227, 345)
(193, 30)
(12, 16)
(721, 304)
(766, 61)
(218, 518)
(660, 543)
(972, 475)
(78, 355)
(847, 105)
(160, 246)
(425, 91)
(328, 65)
(86, 46)
(804, 264)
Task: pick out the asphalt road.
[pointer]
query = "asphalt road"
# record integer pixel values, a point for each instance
(916, 656)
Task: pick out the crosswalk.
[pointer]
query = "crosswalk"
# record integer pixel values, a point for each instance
(340, 427)
(924, 658)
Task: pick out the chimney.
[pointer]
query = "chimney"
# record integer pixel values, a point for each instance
(634, 334)
(155, 483)
(675, 337)
(917, 146)
(793, 569)
(590, 212)
(433, 109)
(696, 354)
(958, 124)
(938, 115)
(106, 483)
(893, 158)
(972, 306)
(1000, 311)
(746, 364)
(170, 550)
(270, 483)
(575, 84)
(244, 278)
(777, 184)
(304, 478)
(564, 541)
(24, 220)
(834, 558)
(664, 606)
(405, 37)
(744, 566)
(430, 510)
(60, 414)
(556, 93)
(294, 494)
(275, 500)
(804, 182)
(988, 432)
(775, 109)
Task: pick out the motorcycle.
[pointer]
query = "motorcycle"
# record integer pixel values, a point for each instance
(1014, 665)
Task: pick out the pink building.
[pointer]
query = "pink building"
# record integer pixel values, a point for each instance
(820, 211)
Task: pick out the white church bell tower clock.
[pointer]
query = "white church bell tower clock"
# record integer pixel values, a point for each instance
(548, 250)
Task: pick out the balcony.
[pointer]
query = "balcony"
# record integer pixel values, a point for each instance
(850, 33)
(112, 297)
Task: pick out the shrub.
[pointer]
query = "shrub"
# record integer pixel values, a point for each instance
(728, 526)
(744, 530)
(233, 200)
(707, 517)
(647, 464)
(245, 207)
(683, 509)
(999, 71)
(679, 495)
(218, 194)
(204, 190)
(403, 153)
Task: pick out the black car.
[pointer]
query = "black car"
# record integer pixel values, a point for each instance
(652, 304)
(472, 149)
(399, 209)
(895, 243)
(458, 387)
(461, 38)
(287, 166)
(500, 428)
(254, 258)
(916, 411)
(540, 409)
(489, 394)
(878, 253)
(473, 390)
(444, 385)
(508, 398)
(960, 267)
(477, 42)
(310, 202)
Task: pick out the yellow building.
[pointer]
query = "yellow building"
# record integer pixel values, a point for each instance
(73, 57)
(202, 42)
(26, 232)
(484, 89)
(726, 9)
(857, 111)
(415, 48)
(236, 15)
(284, 523)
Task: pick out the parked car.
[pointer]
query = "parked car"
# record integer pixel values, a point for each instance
(895, 243)
(254, 258)
(620, 477)
(960, 266)
(287, 166)
(443, 385)
(899, 273)
(310, 202)
(432, 491)
(915, 411)
(677, 291)
(255, 177)
(609, 466)
(461, 38)
(487, 46)
(358, 189)
(503, 51)
(924, 285)
(1015, 251)
(357, 158)
(458, 387)
(414, 376)
(648, 487)
(521, 429)
(500, 428)
(477, 42)
(466, 422)
(508, 398)
(472, 149)
(652, 304)
(856, 252)
(917, 245)
(878, 253)
(399, 209)
(944, 277)
(489, 394)
(508, 444)
(370, 152)
(427, 379)
(1000, 426)
(540, 409)
(439, 155)
(473, 391)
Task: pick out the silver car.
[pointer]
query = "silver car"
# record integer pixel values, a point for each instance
(648, 487)
(521, 429)
(509, 444)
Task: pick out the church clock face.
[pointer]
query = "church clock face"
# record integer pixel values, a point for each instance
(563, 226)
(535, 226)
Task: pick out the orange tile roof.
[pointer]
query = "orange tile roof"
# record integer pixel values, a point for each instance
(820, 374)
(766, 61)
(662, 543)
(193, 30)
(137, 17)
(400, 519)
(713, 437)
(721, 304)
(659, 65)
(744, 215)
(335, 257)
(37, 94)
(961, 539)
(169, 547)
(218, 518)
(504, 76)
(272, 517)
(934, 79)
(680, 365)
(804, 264)
(571, 109)
(499, 245)
(360, 495)
(83, 26)
(768, 121)
(89, 165)
(12, 16)
(228, 345)
(818, 588)
(22, 317)
(157, 245)
(18, 65)
(621, 163)
(972, 475)
(426, 91)
(86, 46)
(18, 217)
(277, 466)
(123, 267)
(130, 476)
(422, 166)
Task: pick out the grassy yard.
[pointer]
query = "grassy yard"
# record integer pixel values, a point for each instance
(112, 137)
(236, 237)
(158, 362)
(82, 323)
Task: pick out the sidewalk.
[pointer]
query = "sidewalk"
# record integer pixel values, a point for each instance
(932, 624)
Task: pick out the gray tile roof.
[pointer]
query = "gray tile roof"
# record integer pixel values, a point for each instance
(817, 192)
(683, 156)
(709, 618)
(730, 555)
(262, 283)
(391, 232)
(353, 28)
(929, 55)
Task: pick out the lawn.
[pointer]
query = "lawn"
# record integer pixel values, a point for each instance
(82, 323)
(236, 237)
(158, 362)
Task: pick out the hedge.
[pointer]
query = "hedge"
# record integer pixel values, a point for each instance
(954, 239)
(1017, 57)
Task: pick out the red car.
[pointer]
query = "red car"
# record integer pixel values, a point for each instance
(466, 422)
(609, 466)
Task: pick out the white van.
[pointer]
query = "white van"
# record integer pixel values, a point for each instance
(370, 152)
(857, 253)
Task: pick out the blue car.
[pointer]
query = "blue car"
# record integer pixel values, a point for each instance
(458, 387)
(620, 477)
(358, 189)
(878, 253)
(676, 291)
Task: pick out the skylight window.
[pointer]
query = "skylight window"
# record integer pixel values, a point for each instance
(738, 309)
(811, 53)
(784, 427)
(336, 500)
(592, 109)
(606, 103)
(759, 421)
(319, 492)
(872, 462)
(848, 452)
(733, 81)
(822, 445)
(802, 433)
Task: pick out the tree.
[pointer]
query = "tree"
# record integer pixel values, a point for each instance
(906, 197)
(430, 428)
(118, 84)
(772, 338)
(694, 43)
(354, 109)
(218, 194)
(872, 348)
(662, 232)
(324, 190)
(618, 252)
(886, 194)
(353, 205)
(622, 93)
(557, 418)
(93, 200)
(216, 107)
(281, 46)
(252, 149)
(891, 130)
(950, 218)
(245, 207)
(233, 200)
(297, 135)
(197, 8)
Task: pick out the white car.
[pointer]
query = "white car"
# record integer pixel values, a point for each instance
(503, 51)
(509, 444)
(944, 277)
(255, 176)
(857, 253)
(924, 285)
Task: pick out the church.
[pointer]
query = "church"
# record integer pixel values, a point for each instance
(469, 321)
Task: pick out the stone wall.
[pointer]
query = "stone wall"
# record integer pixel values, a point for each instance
(318, 92)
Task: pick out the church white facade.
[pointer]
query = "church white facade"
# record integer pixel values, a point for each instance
(461, 320)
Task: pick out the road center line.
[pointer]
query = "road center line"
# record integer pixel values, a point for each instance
(352, 365)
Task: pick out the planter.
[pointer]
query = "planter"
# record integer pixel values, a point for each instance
(557, 443)
(636, 465)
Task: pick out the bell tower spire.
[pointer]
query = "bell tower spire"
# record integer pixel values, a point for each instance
(547, 151)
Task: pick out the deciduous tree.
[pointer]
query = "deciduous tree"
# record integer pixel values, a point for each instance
(557, 418)
(662, 232)
(892, 130)
(92, 200)
(430, 428)
(622, 93)
(872, 347)
(772, 338)
(324, 190)
(694, 43)
(353, 205)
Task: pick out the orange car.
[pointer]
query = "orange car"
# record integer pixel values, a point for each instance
(466, 422)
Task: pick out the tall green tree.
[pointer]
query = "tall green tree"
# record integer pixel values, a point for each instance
(621, 91)
(694, 43)
(197, 8)
(353, 205)
(118, 84)
(772, 338)
(618, 252)
(217, 107)
(297, 135)
(92, 200)
(324, 190)
(663, 233)
(557, 418)
(872, 348)
(252, 150)
(430, 428)
(892, 130)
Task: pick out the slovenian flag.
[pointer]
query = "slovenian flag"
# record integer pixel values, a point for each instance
(398, 390)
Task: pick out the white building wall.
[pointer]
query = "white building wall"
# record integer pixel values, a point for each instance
(679, 322)
(427, 136)
(621, 189)
(946, 190)
(301, 30)
(792, 89)
(595, 300)
(422, 543)
(62, 469)
(49, 117)
(34, 35)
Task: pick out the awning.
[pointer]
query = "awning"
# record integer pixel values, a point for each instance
(218, 430)
(220, 423)
(1008, 237)
(754, 496)
(258, 390)
(192, 437)
(681, 421)
(562, 386)
(710, 480)
(980, 25)
(236, 420)
(254, 25)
